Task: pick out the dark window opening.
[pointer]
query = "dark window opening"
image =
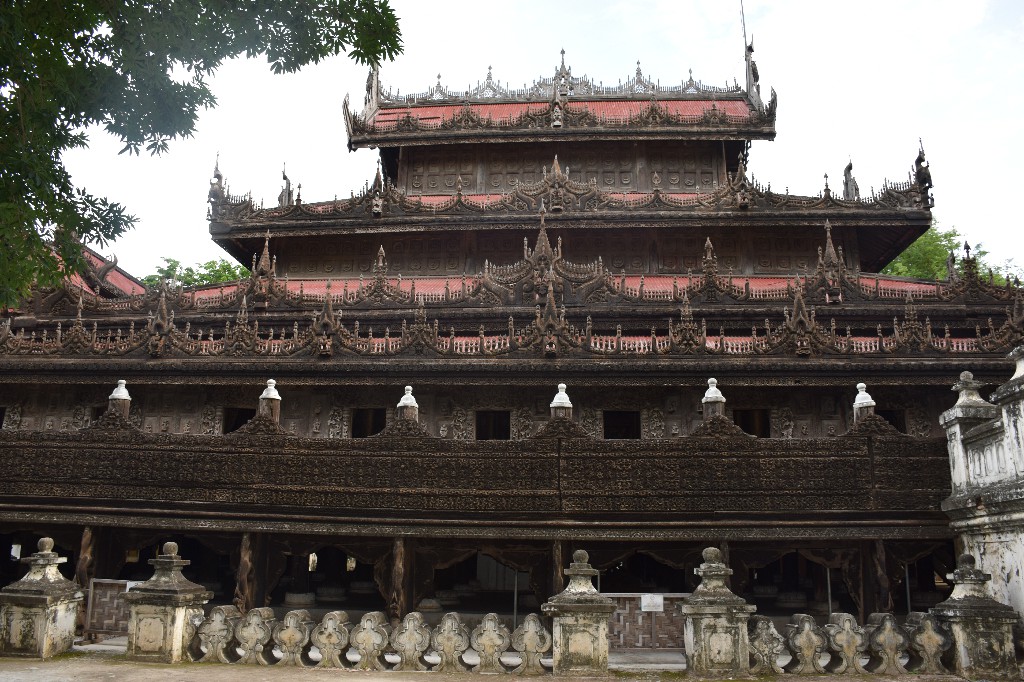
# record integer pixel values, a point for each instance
(898, 418)
(755, 422)
(236, 417)
(96, 412)
(493, 425)
(3, 413)
(368, 421)
(621, 424)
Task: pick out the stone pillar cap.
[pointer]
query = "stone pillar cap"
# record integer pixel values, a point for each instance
(968, 389)
(120, 393)
(863, 398)
(1017, 355)
(713, 395)
(270, 392)
(408, 400)
(561, 398)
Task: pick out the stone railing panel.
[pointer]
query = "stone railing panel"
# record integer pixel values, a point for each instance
(370, 639)
(253, 633)
(331, 638)
(806, 643)
(848, 642)
(490, 639)
(929, 640)
(532, 640)
(216, 636)
(292, 638)
(887, 642)
(410, 641)
(766, 645)
(450, 641)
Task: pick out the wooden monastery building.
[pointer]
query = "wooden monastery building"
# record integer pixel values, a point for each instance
(607, 238)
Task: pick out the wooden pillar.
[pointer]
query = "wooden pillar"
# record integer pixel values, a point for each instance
(401, 577)
(85, 569)
(883, 597)
(251, 576)
(724, 547)
(557, 566)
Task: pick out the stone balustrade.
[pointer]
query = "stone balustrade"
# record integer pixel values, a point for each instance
(372, 644)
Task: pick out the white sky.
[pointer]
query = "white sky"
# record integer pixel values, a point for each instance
(861, 80)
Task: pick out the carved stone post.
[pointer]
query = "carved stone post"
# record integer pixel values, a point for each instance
(119, 401)
(713, 401)
(863, 405)
(270, 403)
(408, 408)
(38, 612)
(969, 411)
(580, 629)
(561, 407)
(715, 633)
(982, 628)
(164, 611)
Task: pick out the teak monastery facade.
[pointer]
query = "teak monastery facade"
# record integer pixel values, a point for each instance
(608, 238)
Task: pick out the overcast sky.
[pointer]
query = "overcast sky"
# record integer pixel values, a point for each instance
(856, 80)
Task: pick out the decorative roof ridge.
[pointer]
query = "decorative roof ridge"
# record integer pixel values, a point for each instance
(561, 85)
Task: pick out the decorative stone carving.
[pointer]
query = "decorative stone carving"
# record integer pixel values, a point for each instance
(331, 638)
(410, 641)
(450, 640)
(370, 639)
(806, 643)
(580, 632)
(490, 639)
(217, 635)
(653, 424)
(887, 642)
(928, 642)
(522, 423)
(982, 628)
(532, 640)
(163, 610)
(766, 645)
(253, 633)
(460, 428)
(848, 642)
(292, 636)
(38, 612)
(715, 633)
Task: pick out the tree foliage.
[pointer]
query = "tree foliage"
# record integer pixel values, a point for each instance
(926, 258)
(140, 70)
(210, 272)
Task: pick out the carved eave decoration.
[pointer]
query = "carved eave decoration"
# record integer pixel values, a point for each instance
(561, 427)
(404, 428)
(874, 425)
(382, 199)
(111, 421)
(718, 426)
(260, 425)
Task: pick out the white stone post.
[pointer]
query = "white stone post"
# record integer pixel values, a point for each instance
(164, 611)
(119, 401)
(713, 401)
(969, 411)
(863, 404)
(982, 628)
(561, 407)
(270, 402)
(38, 612)
(715, 631)
(580, 628)
(408, 408)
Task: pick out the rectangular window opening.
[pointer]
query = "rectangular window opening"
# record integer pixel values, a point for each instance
(621, 424)
(493, 425)
(368, 421)
(236, 417)
(755, 422)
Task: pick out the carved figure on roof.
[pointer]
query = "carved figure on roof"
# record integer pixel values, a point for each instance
(285, 198)
(556, 115)
(851, 191)
(922, 172)
(951, 274)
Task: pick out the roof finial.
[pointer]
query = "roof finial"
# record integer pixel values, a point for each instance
(563, 57)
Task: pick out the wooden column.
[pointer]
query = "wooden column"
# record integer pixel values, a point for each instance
(557, 566)
(401, 578)
(85, 569)
(251, 576)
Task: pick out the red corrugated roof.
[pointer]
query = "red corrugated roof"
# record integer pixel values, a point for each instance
(613, 111)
